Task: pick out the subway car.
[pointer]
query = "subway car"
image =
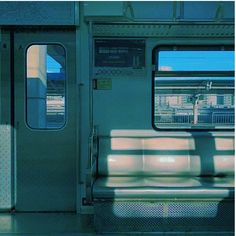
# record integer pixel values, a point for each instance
(117, 118)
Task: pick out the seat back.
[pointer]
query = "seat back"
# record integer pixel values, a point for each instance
(166, 156)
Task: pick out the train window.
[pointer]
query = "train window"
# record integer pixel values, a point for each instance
(194, 88)
(46, 83)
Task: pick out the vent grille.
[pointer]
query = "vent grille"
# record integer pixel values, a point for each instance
(165, 30)
(5, 167)
(164, 216)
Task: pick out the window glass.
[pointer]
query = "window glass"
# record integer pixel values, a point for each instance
(199, 100)
(46, 82)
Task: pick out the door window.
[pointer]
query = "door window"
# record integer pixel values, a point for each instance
(46, 86)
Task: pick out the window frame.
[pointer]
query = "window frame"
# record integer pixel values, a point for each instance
(65, 87)
(189, 73)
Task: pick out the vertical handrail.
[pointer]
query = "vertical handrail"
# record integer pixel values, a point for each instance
(92, 164)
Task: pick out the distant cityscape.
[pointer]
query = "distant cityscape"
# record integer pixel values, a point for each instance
(179, 108)
(207, 101)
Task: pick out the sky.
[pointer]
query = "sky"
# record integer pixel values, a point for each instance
(52, 65)
(196, 60)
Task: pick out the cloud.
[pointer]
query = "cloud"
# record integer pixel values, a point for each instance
(165, 68)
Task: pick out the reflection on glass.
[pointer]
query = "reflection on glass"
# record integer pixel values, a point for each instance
(46, 86)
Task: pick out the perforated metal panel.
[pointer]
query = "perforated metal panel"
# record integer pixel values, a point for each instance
(165, 30)
(37, 13)
(105, 72)
(5, 167)
(168, 216)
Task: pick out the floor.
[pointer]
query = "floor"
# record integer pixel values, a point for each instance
(44, 224)
(64, 224)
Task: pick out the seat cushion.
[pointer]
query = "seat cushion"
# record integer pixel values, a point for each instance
(163, 187)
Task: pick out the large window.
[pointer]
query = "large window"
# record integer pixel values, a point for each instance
(194, 87)
(46, 82)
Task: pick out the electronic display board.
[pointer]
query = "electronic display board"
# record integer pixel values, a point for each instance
(119, 53)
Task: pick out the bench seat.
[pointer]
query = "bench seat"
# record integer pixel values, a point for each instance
(153, 184)
(163, 188)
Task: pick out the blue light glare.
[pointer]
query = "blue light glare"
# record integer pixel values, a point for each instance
(195, 61)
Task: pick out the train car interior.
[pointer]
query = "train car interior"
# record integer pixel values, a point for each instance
(117, 118)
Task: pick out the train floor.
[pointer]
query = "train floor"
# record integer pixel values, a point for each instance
(44, 224)
(66, 224)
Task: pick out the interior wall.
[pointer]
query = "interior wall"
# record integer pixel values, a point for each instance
(6, 129)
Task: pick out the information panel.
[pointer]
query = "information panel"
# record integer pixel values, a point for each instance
(120, 53)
